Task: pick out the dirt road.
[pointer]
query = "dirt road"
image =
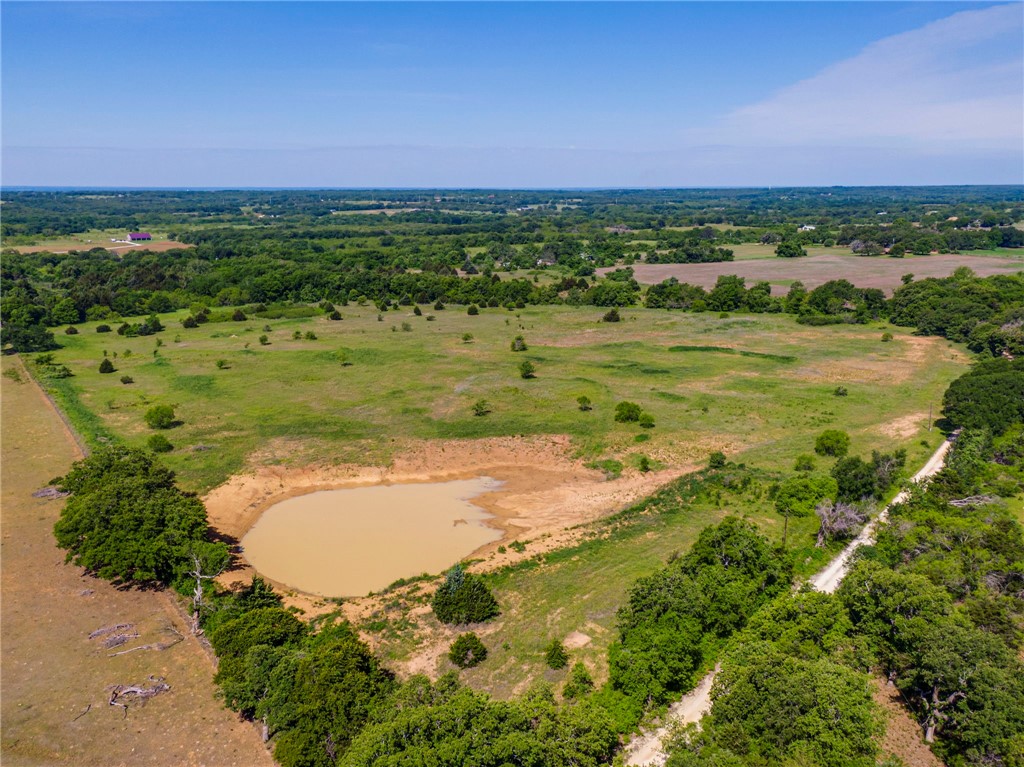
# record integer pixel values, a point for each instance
(646, 748)
(828, 580)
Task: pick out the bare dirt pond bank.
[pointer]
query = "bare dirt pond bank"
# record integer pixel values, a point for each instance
(545, 491)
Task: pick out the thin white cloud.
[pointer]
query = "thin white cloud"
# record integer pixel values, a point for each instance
(953, 85)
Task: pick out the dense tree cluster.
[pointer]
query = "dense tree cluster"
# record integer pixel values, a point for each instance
(673, 617)
(127, 520)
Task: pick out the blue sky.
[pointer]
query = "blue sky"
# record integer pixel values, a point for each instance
(511, 94)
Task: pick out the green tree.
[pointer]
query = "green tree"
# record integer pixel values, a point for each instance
(160, 417)
(463, 598)
(832, 442)
(579, 683)
(467, 651)
(797, 497)
(64, 313)
(106, 366)
(790, 249)
(583, 401)
(855, 479)
(628, 412)
(158, 443)
(527, 369)
(555, 655)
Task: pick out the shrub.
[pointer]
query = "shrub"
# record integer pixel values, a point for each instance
(417, 311)
(190, 322)
(158, 443)
(644, 464)
(222, 364)
(463, 598)
(467, 338)
(527, 369)
(335, 315)
(127, 380)
(71, 330)
(646, 421)
(790, 250)
(106, 366)
(481, 407)
(310, 335)
(438, 306)
(406, 327)
(832, 442)
(473, 310)
(716, 460)
(555, 655)
(467, 651)
(518, 344)
(267, 328)
(628, 412)
(579, 682)
(886, 337)
(238, 316)
(103, 328)
(804, 463)
(584, 403)
(160, 417)
(840, 391)
(612, 315)
(264, 341)
(296, 335)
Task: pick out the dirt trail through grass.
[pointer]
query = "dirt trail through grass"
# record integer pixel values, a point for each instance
(647, 748)
(54, 708)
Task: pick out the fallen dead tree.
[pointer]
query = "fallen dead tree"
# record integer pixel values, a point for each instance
(122, 695)
(159, 646)
(50, 493)
(974, 500)
(111, 629)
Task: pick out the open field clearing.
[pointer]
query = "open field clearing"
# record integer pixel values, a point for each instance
(366, 392)
(864, 272)
(53, 671)
(363, 403)
(98, 238)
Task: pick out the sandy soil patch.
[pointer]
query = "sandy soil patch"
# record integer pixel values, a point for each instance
(576, 639)
(903, 428)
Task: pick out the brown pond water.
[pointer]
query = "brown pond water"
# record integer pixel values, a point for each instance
(350, 542)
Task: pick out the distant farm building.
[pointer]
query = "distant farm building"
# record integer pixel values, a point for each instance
(137, 236)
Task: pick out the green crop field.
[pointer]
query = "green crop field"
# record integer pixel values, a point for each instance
(755, 386)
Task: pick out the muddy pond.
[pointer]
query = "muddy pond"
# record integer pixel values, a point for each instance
(350, 542)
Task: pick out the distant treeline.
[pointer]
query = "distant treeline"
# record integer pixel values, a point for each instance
(50, 213)
(45, 290)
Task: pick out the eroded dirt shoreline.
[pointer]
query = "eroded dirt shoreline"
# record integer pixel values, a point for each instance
(546, 492)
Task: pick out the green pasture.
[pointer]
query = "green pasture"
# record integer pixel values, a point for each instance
(758, 387)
